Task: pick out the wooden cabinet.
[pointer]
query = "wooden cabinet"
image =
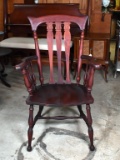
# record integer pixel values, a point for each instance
(99, 49)
(100, 22)
(96, 48)
(92, 7)
(97, 45)
(82, 3)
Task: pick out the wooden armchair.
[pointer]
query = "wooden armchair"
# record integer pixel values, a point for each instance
(63, 92)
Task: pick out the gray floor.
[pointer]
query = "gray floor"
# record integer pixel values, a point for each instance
(63, 140)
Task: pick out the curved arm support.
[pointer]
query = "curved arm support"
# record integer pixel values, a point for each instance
(96, 63)
(91, 65)
(24, 62)
(27, 71)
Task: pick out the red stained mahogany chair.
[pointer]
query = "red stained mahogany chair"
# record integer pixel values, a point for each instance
(63, 92)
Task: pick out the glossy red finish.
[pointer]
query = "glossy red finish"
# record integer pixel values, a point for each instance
(61, 92)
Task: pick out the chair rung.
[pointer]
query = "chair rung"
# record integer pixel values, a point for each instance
(60, 117)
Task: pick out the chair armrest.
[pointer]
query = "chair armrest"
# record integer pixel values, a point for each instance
(91, 65)
(28, 74)
(25, 62)
(96, 63)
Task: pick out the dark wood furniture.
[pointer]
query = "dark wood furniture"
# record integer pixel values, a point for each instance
(100, 21)
(96, 45)
(58, 92)
(17, 24)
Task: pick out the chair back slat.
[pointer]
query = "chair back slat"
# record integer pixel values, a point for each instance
(58, 40)
(67, 39)
(79, 56)
(50, 49)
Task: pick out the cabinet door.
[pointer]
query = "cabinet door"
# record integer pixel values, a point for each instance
(100, 23)
(98, 49)
(96, 6)
(86, 47)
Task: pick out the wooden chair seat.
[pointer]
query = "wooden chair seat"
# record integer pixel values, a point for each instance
(60, 95)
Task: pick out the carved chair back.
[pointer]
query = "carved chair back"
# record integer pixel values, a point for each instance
(61, 92)
(58, 36)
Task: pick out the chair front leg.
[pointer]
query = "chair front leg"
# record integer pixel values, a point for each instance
(90, 129)
(30, 129)
(38, 114)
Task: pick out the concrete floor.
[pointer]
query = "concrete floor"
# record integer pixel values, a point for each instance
(60, 140)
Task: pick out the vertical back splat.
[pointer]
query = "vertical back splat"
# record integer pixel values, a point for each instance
(50, 49)
(38, 57)
(67, 39)
(58, 37)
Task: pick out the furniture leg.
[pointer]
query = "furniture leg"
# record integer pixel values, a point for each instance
(88, 121)
(105, 73)
(30, 129)
(38, 114)
(82, 115)
(90, 129)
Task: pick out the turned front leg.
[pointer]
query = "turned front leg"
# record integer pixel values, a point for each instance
(90, 129)
(30, 129)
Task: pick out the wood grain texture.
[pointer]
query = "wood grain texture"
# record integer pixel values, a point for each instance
(83, 6)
